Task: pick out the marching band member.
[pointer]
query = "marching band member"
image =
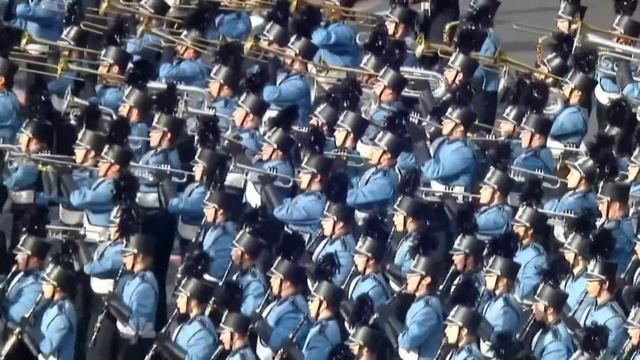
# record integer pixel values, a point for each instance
(135, 107)
(577, 252)
(218, 237)
(580, 199)
(234, 336)
(569, 14)
(230, 24)
(502, 310)
(336, 222)
(536, 156)
(327, 331)
(113, 64)
(291, 87)
(408, 219)
(76, 37)
(605, 310)
(147, 45)
(40, 21)
(633, 331)
(247, 118)
(467, 258)
(350, 128)
(633, 170)
(87, 150)
(9, 106)
(486, 80)
(375, 189)
(25, 286)
(454, 159)
(302, 213)
(530, 226)
(336, 41)
(284, 314)
(367, 258)
(462, 331)
(508, 125)
(245, 253)
(570, 125)
(387, 91)
(186, 67)
(195, 338)
(223, 85)
(367, 343)
(423, 324)
(400, 22)
(274, 154)
(494, 217)
(553, 341)
(613, 203)
(54, 332)
(135, 307)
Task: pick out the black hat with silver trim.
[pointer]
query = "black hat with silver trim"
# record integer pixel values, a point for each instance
(91, 140)
(116, 56)
(463, 63)
(328, 292)
(250, 244)
(75, 36)
(235, 322)
(140, 244)
(530, 217)
(60, 277)
(339, 211)
(465, 317)
(627, 26)
(32, 246)
(303, 47)
(41, 130)
(599, 269)
(197, 289)
(581, 81)
(615, 191)
(586, 167)
(353, 122)
(117, 154)
(392, 79)
(137, 98)
(225, 75)
(373, 63)
(409, 206)
(328, 114)
(317, 164)
(253, 104)
(468, 244)
(273, 32)
(288, 270)
(370, 248)
(156, 7)
(425, 266)
(514, 114)
(462, 115)
(537, 124)
(279, 139)
(402, 14)
(502, 266)
(390, 143)
(551, 296)
(499, 180)
(169, 123)
(7, 68)
(578, 244)
(221, 199)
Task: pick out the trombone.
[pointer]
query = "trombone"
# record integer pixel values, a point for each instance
(553, 182)
(100, 29)
(28, 39)
(233, 5)
(55, 70)
(286, 180)
(344, 13)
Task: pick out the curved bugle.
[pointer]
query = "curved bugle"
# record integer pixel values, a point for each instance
(425, 192)
(288, 181)
(517, 174)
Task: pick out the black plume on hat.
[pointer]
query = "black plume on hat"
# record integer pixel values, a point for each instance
(504, 245)
(199, 17)
(377, 41)
(139, 74)
(217, 172)
(424, 243)
(593, 339)
(285, 118)
(557, 268)
(208, 132)
(119, 130)
(195, 265)
(539, 96)
(304, 21)
(505, 347)
(341, 351)
(228, 296)
(279, 13)
(374, 227)
(625, 7)
(9, 37)
(125, 189)
(500, 156)
(230, 55)
(337, 187)
(395, 53)
(585, 59)
(166, 100)
(290, 246)
(531, 192)
(35, 221)
(561, 43)
(116, 33)
(469, 37)
(465, 219)
(351, 93)
(323, 269)
(89, 117)
(465, 293)
(362, 311)
(409, 182)
(601, 152)
(583, 224)
(256, 78)
(522, 90)
(603, 244)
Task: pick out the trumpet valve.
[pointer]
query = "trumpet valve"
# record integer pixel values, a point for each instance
(104, 5)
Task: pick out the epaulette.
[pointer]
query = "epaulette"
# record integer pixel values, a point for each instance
(555, 333)
(537, 248)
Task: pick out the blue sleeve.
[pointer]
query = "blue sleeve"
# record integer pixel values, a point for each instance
(462, 162)
(300, 211)
(282, 328)
(555, 350)
(201, 346)
(60, 86)
(323, 37)
(617, 335)
(27, 298)
(317, 348)
(345, 263)
(424, 325)
(86, 198)
(530, 277)
(36, 14)
(632, 90)
(492, 224)
(143, 302)
(569, 124)
(104, 265)
(290, 93)
(188, 205)
(9, 113)
(180, 72)
(55, 332)
(111, 100)
(377, 190)
(24, 175)
(252, 297)
(508, 322)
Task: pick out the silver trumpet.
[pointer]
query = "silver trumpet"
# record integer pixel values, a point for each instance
(417, 78)
(549, 181)
(572, 149)
(425, 192)
(71, 101)
(416, 118)
(186, 91)
(59, 231)
(179, 176)
(285, 180)
(352, 159)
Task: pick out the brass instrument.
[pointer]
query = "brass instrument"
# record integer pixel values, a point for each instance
(234, 5)
(285, 180)
(166, 169)
(343, 13)
(154, 348)
(517, 173)
(449, 32)
(28, 39)
(105, 309)
(353, 160)
(15, 335)
(100, 29)
(71, 101)
(415, 118)
(429, 192)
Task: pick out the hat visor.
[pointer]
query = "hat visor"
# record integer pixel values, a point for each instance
(518, 221)
(20, 250)
(456, 250)
(593, 276)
